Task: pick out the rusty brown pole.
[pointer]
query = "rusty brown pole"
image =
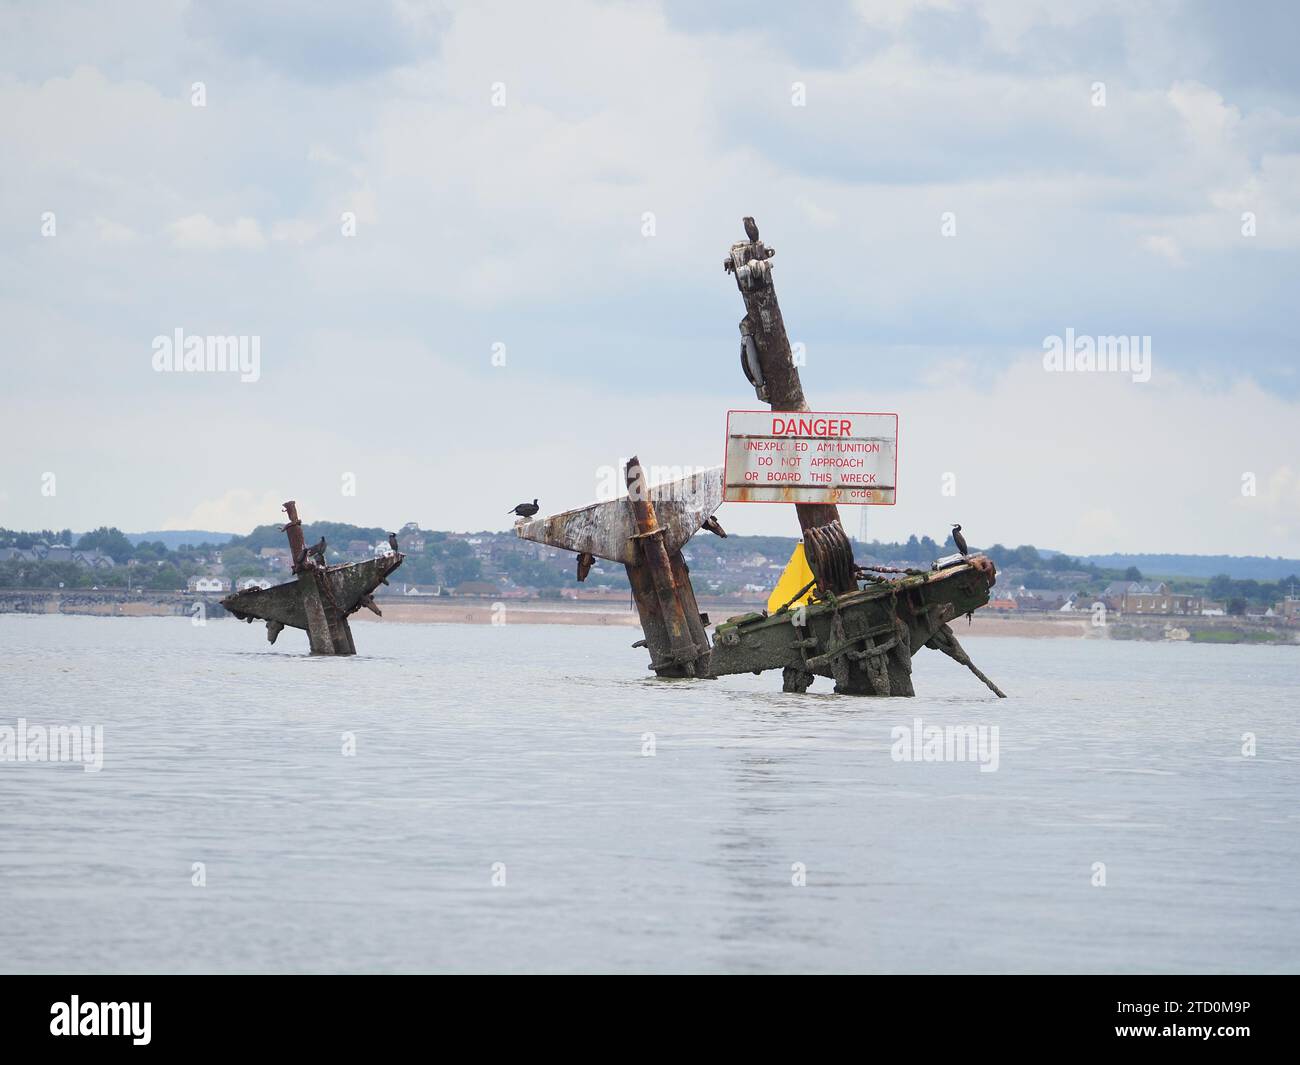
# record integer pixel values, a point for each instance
(297, 542)
(659, 567)
(764, 329)
(769, 364)
(695, 621)
(326, 636)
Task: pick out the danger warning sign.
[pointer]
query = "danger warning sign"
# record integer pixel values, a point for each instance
(811, 457)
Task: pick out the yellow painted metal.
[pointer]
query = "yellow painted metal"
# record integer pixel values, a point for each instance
(797, 574)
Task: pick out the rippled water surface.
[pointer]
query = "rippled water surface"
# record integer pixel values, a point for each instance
(522, 745)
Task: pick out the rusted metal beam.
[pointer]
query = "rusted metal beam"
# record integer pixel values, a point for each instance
(323, 636)
(656, 561)
(297, 543)
(607, 529)
(765, 348)
(654, 629)
(768, 363)
(946, 641)
(696, 622)
(612, 530)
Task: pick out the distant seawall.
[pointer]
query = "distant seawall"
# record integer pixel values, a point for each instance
(105, 602)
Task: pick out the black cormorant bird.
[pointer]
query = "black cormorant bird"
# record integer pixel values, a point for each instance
(392, 542)
(525, 510)
(960, 541)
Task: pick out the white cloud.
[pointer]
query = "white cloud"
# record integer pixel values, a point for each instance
(238, 510)
(296, 231)
(893, 14)
(201, 232)
(1093, 462)
(1165, 246)
(1277, 503)
(522, 224)
(111, 232)
(1084, 463)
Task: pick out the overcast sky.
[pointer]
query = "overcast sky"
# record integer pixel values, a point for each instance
(848, 130)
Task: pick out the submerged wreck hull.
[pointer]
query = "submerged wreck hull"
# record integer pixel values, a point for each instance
(864, 640)
(318, 601)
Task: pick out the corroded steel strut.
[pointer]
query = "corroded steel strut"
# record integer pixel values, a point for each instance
(763, 338)
(645, 531)
(671, 586)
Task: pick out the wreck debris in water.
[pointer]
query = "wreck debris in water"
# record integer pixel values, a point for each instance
(645, 531)
(320, 599)
(863, 624)
(864, 635)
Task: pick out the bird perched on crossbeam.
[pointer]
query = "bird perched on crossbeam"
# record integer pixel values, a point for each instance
(525, 510)
(960, 541)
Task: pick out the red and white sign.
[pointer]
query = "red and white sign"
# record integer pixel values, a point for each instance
(810, 457)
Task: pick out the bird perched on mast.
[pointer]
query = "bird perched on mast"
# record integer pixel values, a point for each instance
(317, 550)
(525, 510)
(960, 541)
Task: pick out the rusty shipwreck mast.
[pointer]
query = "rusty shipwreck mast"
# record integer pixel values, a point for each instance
(863, 637)
(768, 362)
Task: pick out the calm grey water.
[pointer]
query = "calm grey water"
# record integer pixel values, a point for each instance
(522, 745)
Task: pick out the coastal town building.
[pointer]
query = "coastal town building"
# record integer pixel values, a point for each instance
(1040, 598)
(410, 539)
(206, 584)
(1148, 597)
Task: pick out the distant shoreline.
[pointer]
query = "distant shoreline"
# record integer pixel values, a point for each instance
(467, 610)
(1039, 625)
